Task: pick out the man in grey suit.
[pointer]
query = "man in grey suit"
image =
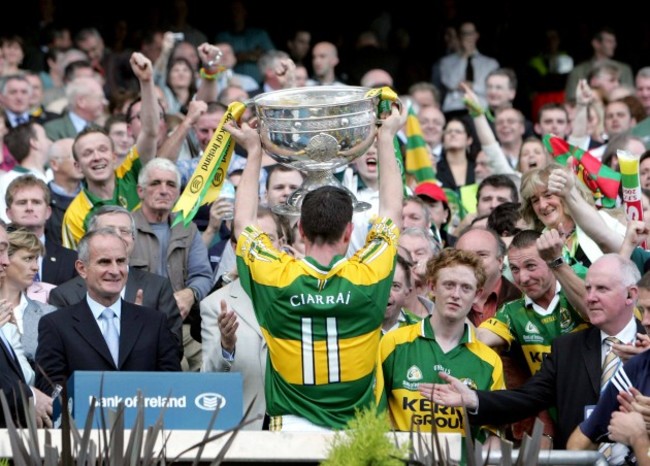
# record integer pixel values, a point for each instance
(232, 340)
(159, 295)
(86, 105)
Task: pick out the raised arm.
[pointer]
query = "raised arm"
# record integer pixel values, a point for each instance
(286, 72)
(160, 66)
(390, 180)
(563, 183)
(149, 110)
(636, 233)
(579, 134)
(247, 197)
(208, 89)
(172, 145)
(549, 246)
(496, 158)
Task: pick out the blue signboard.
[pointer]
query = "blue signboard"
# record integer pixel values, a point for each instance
(189, 399)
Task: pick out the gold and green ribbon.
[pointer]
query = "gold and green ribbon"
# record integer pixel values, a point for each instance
(208, 177)
(386, 96)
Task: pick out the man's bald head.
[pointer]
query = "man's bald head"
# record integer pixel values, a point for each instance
(377, 78)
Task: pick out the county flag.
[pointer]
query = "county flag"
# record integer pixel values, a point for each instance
(418, 156)
(603, 181)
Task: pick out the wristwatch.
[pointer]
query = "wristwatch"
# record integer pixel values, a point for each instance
(555, 263)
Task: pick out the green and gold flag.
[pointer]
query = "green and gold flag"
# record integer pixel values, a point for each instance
(418, 156)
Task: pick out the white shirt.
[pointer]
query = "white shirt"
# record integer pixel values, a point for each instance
(7, 178)
(551, 307)
(626, 336)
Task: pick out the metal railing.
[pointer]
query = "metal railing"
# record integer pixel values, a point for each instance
(554, 457)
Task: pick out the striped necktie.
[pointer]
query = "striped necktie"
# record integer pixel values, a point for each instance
(610, 364)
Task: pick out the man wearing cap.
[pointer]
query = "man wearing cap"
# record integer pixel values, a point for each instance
(436, 200)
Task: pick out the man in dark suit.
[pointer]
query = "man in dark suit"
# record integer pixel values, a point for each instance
(28, 206)
(159, 295)
(570, 375)
(16, 92)
(12, 380)
(77, 337)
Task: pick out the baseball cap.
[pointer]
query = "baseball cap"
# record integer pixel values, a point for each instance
(431, 191)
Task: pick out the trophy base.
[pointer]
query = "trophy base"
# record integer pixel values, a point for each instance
(315, 180)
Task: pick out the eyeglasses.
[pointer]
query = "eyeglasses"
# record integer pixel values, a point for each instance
(122, 231)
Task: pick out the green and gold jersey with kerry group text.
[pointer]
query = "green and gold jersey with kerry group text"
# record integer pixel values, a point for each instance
(411, 355)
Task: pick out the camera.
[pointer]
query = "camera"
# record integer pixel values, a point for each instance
(178, 36)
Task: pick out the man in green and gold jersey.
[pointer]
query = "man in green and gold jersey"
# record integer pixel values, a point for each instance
(321, 316)
(444, 342)
(527, 327)
(541, 315)
(106, 182)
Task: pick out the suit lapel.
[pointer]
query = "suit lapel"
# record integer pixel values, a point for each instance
(86, 325)
(49, 269)
(131, 285)
(11, 358)
(69, 127)
(131, 325)
(591, 357)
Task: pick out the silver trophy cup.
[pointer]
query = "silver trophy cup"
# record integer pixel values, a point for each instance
(316, 130)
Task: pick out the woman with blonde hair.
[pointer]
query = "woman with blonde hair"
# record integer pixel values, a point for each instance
(548, 210)
(22, 330)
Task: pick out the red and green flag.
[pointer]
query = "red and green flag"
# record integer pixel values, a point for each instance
(602, 180)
